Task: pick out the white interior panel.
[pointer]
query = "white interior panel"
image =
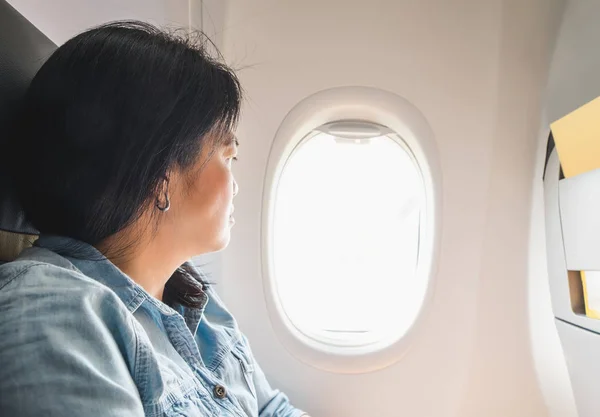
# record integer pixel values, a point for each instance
(579, 199)
(557, 266)
(556, 240)
(581, 349)
(548, 285)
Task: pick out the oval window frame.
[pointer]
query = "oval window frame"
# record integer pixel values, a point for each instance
(404, 119)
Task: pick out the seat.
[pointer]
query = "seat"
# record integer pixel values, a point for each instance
(23, 49)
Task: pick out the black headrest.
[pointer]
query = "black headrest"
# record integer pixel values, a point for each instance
(23, 50)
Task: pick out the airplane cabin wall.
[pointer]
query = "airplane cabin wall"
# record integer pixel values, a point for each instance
(503, 381)
(477, 71)
(62, 19)
(294, 49)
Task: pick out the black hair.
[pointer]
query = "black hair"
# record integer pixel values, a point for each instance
(106, 117)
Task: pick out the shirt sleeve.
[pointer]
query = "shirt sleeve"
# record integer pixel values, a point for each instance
(271, 402)
(64, 351)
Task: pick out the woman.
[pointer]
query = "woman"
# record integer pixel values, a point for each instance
(128, 134)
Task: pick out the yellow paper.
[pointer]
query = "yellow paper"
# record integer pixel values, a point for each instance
(591, 293)
(577, 139)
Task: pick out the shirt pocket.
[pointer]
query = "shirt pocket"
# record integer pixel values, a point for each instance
(176, 393)
(182, 398)
(246, 366)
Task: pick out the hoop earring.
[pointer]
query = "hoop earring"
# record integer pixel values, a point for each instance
(167, 205)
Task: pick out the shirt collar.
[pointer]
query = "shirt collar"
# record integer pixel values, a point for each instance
(92, 263)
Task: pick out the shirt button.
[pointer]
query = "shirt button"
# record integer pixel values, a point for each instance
(220, 392)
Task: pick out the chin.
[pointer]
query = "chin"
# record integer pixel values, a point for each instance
(222, 243)
(222, 246)
(212, 242)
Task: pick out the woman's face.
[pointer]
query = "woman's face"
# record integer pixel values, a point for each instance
(201, 213)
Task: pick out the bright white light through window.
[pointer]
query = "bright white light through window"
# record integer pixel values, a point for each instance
(346, 237)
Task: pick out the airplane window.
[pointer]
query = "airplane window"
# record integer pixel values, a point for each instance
(347, 221)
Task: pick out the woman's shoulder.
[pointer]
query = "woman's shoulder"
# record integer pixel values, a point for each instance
(45, 270)
(46, 302)
(43, 287)
(62, 334)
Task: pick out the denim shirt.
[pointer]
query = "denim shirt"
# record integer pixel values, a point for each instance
(80, 338)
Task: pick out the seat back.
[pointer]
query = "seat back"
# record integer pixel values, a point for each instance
(23, 50)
